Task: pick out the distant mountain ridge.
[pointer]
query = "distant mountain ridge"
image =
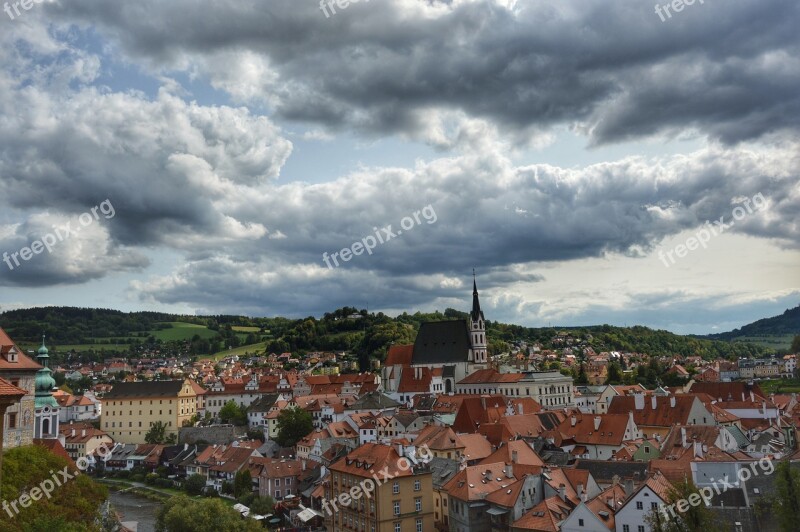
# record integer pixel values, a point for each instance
(787, 323)
(105, 332)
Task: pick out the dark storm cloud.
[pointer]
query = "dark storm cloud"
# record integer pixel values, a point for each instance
(614, 69)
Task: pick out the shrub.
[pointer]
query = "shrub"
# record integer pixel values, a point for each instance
(151, 479)
(137, 477)
(195, 484)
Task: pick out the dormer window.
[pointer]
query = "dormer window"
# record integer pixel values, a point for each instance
(13, 355)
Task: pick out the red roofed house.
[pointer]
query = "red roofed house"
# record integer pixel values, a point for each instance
(10, 395)
(19, 371)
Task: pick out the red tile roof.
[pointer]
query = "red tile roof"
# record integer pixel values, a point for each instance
(23, 362)
(399, 355)
(9, 391)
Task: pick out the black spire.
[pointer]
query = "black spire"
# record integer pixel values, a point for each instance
(476, 304)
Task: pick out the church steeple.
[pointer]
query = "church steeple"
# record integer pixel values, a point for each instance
(477, 326)
(476, 314)
(45, 405)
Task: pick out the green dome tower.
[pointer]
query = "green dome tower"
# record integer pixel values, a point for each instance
(46, 406)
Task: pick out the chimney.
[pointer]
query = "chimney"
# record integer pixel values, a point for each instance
(752, 396)
(628, 486)
(73, 433)
(519, 408)
(303, 464)
(672, 401)
(683, 436)
(562, 492)
(509, 471)
(597, 422)
(638, 401)
(573, 420)
(698, 449)
(83, 433)
(483, 402)
(615, 480)
(581, 493)
(654, 402)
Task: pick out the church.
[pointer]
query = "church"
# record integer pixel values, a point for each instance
(443, 353)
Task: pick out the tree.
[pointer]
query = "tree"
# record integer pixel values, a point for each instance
(233, 413)
(73, 506)
(786, 502)
(157, 433)
(698, 518)
(795, 345)
(614, 373)
(582, 378)
(243, 483)
(293, 425)
(262, 505)
(182, 514)
(194, 484)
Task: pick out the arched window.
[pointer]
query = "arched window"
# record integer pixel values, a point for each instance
(46, 426)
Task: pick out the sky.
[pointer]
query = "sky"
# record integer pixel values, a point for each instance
(593, 162)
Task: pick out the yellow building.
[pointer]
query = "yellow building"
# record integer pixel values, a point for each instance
(130, 408)
(399, 496)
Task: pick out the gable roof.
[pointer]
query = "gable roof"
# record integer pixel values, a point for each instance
(10, 392)
(663, 415)
(123, 390)
(725, 390)
(517, 451)
(441, 342)
(545, 516)
(23, 361)
(399, 355)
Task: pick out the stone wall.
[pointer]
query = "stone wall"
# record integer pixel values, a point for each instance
(217, 434)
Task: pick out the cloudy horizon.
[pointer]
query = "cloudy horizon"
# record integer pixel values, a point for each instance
(579, 157)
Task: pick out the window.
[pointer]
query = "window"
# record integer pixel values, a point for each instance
(626, 528)
(639, 505)
(397, 527)
(418, 504)
(396, 488)
(277, 482)
(417, 485)
(12, 420)
(653, 505)
(277, 494)
(640, 528)
(396, 507)
(580, 522)
(419, 525)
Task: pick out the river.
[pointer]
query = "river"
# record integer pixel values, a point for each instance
(134, 507)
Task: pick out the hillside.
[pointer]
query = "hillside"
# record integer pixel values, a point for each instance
(96, 334)
(787, 323)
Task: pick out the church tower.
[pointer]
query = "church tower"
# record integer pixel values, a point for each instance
(477, 327)
(46, 407)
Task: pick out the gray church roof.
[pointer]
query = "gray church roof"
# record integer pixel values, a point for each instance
(442, 342)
